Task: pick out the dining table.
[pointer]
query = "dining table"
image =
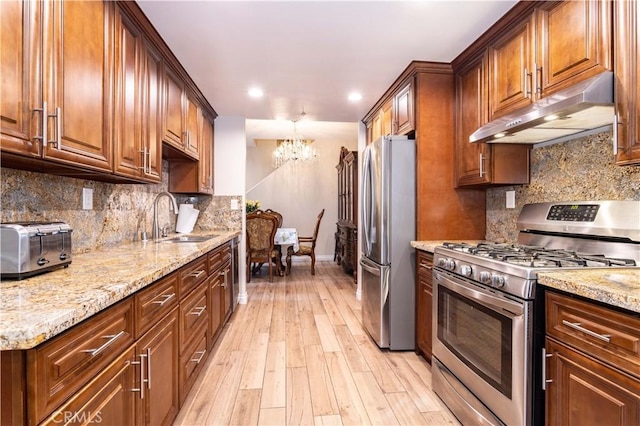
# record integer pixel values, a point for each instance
(284, 238)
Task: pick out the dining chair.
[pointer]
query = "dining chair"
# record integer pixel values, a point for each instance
(305, 249)
(277, 215)
(261, 230)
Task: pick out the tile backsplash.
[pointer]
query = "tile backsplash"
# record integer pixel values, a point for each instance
(120, 211)
(581, 169)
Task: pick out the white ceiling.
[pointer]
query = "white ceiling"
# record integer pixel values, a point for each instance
(308, 55)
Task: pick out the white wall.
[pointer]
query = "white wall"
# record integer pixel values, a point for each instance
(300, 192)
(229, 156)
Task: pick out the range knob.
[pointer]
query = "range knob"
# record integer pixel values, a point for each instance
(497, 281)
(485, 277)
(466, 270)
(442, 262)
(450, 265)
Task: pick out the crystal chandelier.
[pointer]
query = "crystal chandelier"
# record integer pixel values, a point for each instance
(295, 149)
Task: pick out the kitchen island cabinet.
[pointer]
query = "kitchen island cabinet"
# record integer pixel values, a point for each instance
(144, 331)
(627, 83)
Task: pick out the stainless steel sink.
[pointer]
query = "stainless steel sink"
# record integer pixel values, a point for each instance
(189, 239)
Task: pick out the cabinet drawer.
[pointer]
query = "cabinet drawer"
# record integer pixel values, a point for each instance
(606, 334)
(218, 256)
(59, 368)
(192, 361)
(192, 274)
(154, 302)
(424, 264)
(193, 314)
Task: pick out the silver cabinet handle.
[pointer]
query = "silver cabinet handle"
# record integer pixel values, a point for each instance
(148, 368)
(166, 298)
(537, 83)
(196, 274)
(425, 266)
(526, 80)
(58, 140)
(112, 338)
(224, 274)
(143, 151)
(481, 165)
(577, 326)
(197, 360)
(199, 310)
(545, 355)
(43, 122)
(616, 123)
(142, 379)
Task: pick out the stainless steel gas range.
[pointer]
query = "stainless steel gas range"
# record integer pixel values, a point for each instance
(488, 320)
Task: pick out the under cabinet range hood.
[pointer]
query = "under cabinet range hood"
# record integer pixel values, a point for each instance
(576, 111)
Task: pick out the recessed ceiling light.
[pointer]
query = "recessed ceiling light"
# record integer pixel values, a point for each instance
(256, 92)
(354, 97)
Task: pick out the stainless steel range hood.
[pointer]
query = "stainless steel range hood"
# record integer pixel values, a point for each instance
(567, 114)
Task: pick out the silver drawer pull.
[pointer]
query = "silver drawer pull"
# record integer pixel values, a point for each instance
(196, 274)
(112, 338)
(199, 310)
(197, 360)
(576, 326)
(166, 297)
(425, 266)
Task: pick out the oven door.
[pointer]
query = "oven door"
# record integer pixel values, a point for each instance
(483, 338)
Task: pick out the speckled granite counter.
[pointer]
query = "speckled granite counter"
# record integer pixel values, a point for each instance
(431, 245)
(617, 287)
(38, 308)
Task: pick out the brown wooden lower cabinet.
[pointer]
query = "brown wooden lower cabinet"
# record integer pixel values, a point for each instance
(424, 291)
(592, 363)
(157, 353)
(131, 364)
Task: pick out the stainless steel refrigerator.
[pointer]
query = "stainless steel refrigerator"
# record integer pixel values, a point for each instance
(388, 226)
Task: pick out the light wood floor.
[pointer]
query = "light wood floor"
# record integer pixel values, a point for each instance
(296, 353)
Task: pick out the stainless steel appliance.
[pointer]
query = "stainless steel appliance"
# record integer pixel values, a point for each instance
(30, 248)
(489, 316)
(388, 226)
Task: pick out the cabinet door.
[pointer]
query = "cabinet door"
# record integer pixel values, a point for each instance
(627, 83)
(573, 43)
(471, 159)
(205, 164)
(157, 353)
(109, 399)
(172, 109)
(192, 135)
(78, 87)
(127, 136)
(386, 120)
(216, 309)
(583, 391)
(424, 291)
(151, 113)
(511, 69)
(403, 111)
(19, 92)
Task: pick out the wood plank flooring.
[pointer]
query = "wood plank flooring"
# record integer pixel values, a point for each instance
(296, 354)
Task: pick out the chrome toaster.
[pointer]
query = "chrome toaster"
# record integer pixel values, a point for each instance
(30, 248)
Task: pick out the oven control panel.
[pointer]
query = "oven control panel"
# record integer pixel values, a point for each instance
(573, 212)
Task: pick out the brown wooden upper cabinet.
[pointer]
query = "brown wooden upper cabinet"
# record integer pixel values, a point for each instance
(482, 164)
(627, 83)
(137, 143)
(62, 114)
(180, 116)
(394, 116)
(556, 45)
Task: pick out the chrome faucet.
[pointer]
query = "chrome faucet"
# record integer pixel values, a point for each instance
(156, 227)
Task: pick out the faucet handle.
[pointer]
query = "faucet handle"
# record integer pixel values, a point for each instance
(165, 230)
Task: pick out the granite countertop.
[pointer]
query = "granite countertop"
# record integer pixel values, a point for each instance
(36, 309)
(430, 245)
(617, 287)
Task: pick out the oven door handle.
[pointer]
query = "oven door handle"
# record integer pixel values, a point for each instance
(495, 302)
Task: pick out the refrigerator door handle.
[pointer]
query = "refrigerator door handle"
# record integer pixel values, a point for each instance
(366, 194)
(369, 267)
